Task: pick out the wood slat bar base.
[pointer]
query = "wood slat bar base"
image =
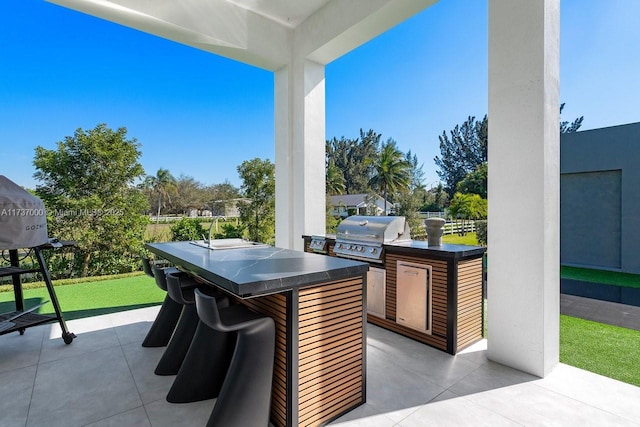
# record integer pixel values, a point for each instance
(319, 371)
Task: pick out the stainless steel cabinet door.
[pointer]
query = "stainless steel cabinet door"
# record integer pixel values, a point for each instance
(413, 304)
(376, 287)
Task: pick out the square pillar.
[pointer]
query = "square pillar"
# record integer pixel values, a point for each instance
(524, 185)
(300, 152)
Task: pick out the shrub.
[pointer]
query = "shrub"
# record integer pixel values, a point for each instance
(229, 231)
(481, 232)
(187, 229)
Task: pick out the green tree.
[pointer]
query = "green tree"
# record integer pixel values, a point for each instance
(87, 187)
(566, 127)
(353, 157)
(258, 185)
(462, 151)
(468, 206)
(465, 150)
(218, 195)
(391, 172)
(162, 186)
(475, 182)
(334, 178)
(187, 193)
(416, 173)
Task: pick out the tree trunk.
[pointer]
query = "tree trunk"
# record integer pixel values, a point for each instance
(85, 263)
(159, 204)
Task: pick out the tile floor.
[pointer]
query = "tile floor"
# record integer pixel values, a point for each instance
(105, 378)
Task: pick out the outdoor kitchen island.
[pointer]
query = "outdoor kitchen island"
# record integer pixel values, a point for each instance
(433, 294)
(317, 304)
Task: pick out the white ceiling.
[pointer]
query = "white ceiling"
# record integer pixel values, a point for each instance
(286, 12)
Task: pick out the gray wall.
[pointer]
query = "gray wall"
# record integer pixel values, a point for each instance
(600, 198)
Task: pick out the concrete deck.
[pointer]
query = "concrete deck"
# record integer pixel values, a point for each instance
(105, 378)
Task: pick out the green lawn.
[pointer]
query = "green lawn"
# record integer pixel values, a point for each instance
(607, 350)
(92, 298)
(601, 276)
(468, 239)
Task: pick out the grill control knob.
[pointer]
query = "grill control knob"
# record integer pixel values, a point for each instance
(374, 250)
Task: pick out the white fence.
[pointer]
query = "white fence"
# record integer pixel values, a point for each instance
(456, 227)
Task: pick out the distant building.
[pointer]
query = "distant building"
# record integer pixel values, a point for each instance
(227, 208)
(356, 204)
(600, 198)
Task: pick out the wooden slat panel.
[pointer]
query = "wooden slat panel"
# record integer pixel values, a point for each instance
(330, 350)
(329, 319)
(330, 411)
(319, 375)
(326, 290)
(470, 305)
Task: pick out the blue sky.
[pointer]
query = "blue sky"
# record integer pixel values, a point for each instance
(201, 115)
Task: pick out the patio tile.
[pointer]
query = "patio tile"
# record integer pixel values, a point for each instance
(95, 386)
(142, 362)
(18, 351)
(364, 416)
(455, 412)
(87, 340)
(132, 333)
(475, 353)
(164, 414)
(440, 368)
(15, 395)
(601, 392)
(532, 405)
(393, 390)
(105, 377)
(134, 418)
(490, 376)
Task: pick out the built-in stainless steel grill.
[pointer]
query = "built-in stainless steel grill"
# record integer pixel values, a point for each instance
(362, 237)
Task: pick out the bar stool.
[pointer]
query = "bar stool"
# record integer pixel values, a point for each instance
(205, 365)
(165, 322)
(245, 397)
(180, 289)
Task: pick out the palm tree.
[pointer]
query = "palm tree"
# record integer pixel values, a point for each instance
(391, 171)
(334, 179)
(163, 183)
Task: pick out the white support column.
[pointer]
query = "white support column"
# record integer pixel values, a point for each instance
(300, 152)
(524, 184)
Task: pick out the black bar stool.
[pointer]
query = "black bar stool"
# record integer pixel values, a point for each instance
(205, 365)
(245, 397)
(180, 289)
(165, 322)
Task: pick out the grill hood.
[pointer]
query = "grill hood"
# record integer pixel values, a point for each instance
(23, 218)
(362, 237)
(376, 230)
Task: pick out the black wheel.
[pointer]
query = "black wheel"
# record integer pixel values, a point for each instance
(21, 330)
(68, 337)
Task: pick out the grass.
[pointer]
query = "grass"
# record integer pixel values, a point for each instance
(607, 350)
(600, 276)
(454, 239)
(92, 298)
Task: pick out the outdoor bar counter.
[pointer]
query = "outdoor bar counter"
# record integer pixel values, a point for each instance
(317, 303)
